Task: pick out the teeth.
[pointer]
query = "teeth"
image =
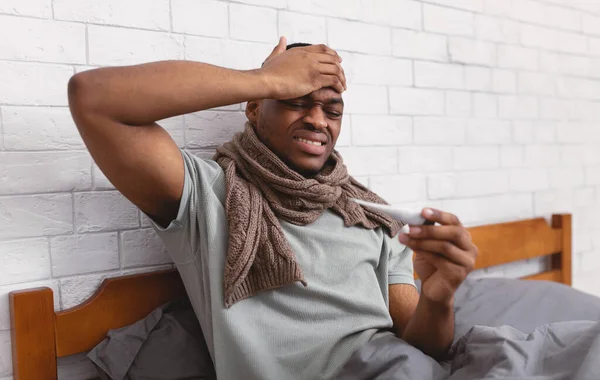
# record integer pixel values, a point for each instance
(317, 143)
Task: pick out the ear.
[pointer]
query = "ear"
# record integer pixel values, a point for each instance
(252, 110)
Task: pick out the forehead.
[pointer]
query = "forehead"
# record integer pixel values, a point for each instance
(326, 94)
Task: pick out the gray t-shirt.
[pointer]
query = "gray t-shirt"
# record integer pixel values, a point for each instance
(293, 332)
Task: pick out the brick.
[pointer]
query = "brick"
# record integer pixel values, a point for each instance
(511, 156)
(370, 161)
(485, 105)
(398, 13)
(110, 46)
(201, 17)
(6, 289)
(544, 132)
(267, 3)
(78, 254)
(75, 290)
(495, 7)
(209, 128)
(476, 157)
(439, 131)
(553, 109)
(378, 70)
(415, 101)
(155, 14)
(447, 21)
(424, 159)
(419, 45)
(243, 25)
(490, 209)
(567, 176)
(464, 50)
(541, 155)
(578, 88)
(24, 260)
(470, 5)
(5, 353)
(400, 188)
(371, 130)
(359, 37)
(143, 247)
(42, 40)
(35, 215)
(439, 75)
(175, 126)
(467, 184)
(592, 175)
(536, 83)
(527, 179)
(35, 8)
(495, 29)
(478, 78)
(482, 131)
(34, 84)
(458, 104)
(349, 9)
(594, 46)
(40, 128)
(590, 24)
(35, 172)
(523, 132)
(345, 137)
(574, 132)
(100, 180)
(517, 107)
(361, 98)
(233, 54)
(553, 39)
(563, 18)
(104, 210)
(504, 81)
(515, 57)
(298, 27)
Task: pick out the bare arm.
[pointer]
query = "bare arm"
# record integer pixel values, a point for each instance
(116, 109)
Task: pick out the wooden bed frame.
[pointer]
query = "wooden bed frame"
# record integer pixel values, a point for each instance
(40, 335)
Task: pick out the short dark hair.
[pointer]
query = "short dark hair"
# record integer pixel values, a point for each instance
(297, 44)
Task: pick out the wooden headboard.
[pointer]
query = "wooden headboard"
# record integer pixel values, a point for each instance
(40, 335)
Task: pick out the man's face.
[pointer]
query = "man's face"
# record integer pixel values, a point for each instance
(302, 132)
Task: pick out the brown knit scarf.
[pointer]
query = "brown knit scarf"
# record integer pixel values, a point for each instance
(260, 189)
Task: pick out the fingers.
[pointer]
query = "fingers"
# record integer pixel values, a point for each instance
(444, 249)
(454, 273)
(332, 81)
(279, 48)
(334, 69)
(455, 234)
(441, 217)
(325, 50)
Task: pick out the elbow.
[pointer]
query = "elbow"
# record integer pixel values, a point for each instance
(78, 92)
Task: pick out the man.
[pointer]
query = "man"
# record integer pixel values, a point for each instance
(287, 275)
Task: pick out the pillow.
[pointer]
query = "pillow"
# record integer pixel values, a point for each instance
(167, 344)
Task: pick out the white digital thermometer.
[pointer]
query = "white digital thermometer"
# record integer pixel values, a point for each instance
(402, 215)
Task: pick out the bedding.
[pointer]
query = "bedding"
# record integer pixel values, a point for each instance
(505, 328)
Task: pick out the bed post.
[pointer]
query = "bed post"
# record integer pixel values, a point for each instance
(563, 261)
(32, 333)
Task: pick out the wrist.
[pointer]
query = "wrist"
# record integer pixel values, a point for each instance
(261, 84)
(439, 306)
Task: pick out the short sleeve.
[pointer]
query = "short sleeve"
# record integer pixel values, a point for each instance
(400, 262)
(182, 235)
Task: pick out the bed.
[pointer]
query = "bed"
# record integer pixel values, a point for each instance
(40, 335)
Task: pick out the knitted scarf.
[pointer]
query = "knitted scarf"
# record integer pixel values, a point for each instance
(260, 189)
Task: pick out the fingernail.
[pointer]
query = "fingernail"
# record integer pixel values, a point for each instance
(428, 212)
(415, 230)
(403, 238)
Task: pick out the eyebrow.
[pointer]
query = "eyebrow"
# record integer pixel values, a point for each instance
(328, 101)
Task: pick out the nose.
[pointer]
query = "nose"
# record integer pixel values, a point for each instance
(316, 118)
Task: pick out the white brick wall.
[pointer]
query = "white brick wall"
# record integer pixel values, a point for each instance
(485, 108)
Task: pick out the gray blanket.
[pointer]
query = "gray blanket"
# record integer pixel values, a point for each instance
(506, 329)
